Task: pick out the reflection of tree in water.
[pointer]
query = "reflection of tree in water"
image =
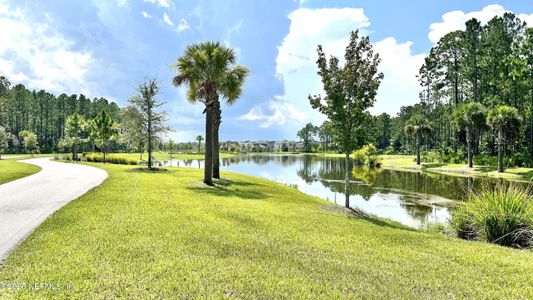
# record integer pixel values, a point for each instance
(261, 159)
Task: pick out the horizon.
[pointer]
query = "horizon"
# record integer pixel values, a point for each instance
(104, 48)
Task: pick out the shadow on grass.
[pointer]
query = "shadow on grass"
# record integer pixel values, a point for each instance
(225, 188)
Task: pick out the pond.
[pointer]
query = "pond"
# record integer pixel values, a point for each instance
(413, 199)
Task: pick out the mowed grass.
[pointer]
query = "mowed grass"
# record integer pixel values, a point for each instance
(11, 170)
(154, 235)
(407, 163)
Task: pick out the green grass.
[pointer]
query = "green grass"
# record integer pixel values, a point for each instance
(11, 170)
(407, 163)
(158, 235)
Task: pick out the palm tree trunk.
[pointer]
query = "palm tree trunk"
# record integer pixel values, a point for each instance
(347, 179)
(208, 168)
(216, 148)
(469, 142)
(500, 150)
(417, 149)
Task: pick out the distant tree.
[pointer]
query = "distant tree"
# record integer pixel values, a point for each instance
(350, 91)
(526, 52)
(74, 130)
(199, 139)
(470, 117)
(153, 121)
(131, 130)
(5, 137)
(103, 130)
(419, 127)
(325, 134)
(506, 121)
(307, 135)
(29, 140)
(171, 147)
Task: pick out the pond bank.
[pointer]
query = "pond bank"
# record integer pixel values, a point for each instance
(407, 163)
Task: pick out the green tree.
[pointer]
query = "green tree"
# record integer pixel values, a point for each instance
(171, 147)
(5, 137)
(506, 121)
(419, 127)
(325, 134)
(199, 139)
(153, 121)
(526, 52)
(210, 72)
(103, 130)
(74, 130)
(470, 117)
(131, 129)
(307, 135)
(29, 140)
(350, 90)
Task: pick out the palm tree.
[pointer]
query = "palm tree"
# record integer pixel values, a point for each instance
(209, 70)
(470, 116)
(199, 138)
(419, 127)
(506, 120)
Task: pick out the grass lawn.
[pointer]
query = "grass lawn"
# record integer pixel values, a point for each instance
(407, 163)
(11, 170)
(160, 235)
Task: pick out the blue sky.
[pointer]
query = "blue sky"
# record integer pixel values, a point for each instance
(107, 47)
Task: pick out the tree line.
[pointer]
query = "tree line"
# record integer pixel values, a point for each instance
(476, 100)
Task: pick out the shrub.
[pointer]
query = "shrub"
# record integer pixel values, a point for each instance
(367, 155)
(502, 214)
(122, 159)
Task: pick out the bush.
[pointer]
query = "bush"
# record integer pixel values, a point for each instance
(122, 159)
(502, 215)
(368, 155)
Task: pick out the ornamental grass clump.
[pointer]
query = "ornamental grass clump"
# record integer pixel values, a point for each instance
(502, 214)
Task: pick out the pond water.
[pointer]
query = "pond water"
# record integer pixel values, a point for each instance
(413, 199)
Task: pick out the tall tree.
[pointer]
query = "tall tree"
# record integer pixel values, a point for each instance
(153, 121)
(470, 117)
(103, 130)
(350, 90)
(199, 139)
(74, 130)
(419, 127)
(307, 136)
(505, 120)
(209, 70)
(5, 137)
(131, 130)
(526, 52)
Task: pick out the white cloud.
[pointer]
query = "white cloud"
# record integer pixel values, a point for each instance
(122, 3)
(146, 15)
(455, 20)
(167, 20)
(296, 66)
(279, 112)
(182, 25)
(34, 52)
(399, 66)
(161, 3)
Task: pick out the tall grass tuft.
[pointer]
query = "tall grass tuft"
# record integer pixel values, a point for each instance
(502, 214)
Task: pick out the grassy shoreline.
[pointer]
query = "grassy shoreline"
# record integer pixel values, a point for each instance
(11, 170)
(163, 235)
(406, 163)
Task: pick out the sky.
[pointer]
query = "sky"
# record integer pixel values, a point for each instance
(105, 48)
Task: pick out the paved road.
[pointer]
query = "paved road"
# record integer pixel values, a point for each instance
(27, 202)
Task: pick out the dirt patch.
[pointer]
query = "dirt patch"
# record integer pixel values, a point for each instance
(155, 170)
(201, 184)
(345, 210)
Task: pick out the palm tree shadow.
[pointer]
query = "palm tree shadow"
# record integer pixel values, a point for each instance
(228, 188)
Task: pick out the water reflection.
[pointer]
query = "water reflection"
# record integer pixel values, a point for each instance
(413, 199)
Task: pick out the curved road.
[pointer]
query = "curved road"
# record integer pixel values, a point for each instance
(27, 202)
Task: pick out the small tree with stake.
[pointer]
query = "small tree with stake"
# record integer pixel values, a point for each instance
(350, 91)
(5, 137)
(103, 130)
(153, 121)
